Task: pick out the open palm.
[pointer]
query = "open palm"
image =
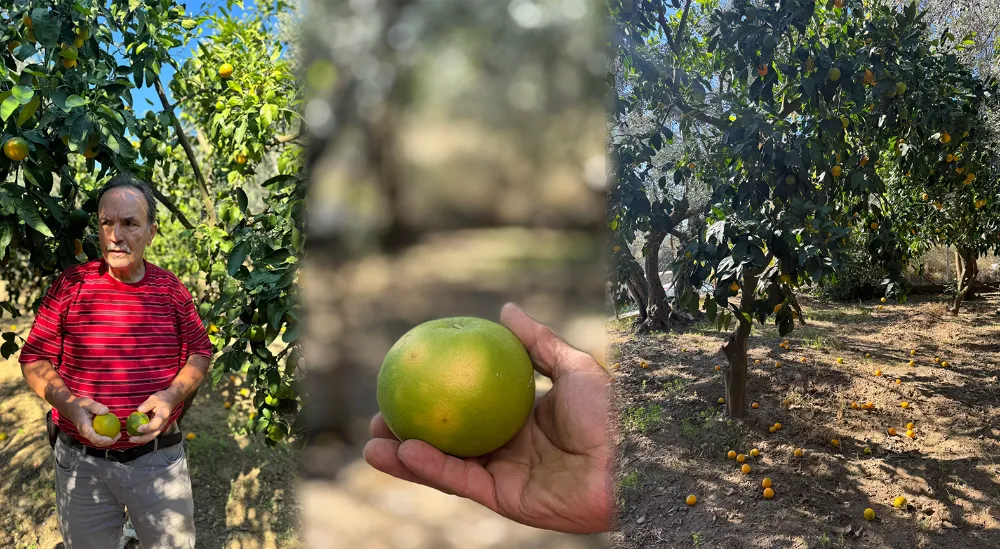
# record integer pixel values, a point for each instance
(554, 473)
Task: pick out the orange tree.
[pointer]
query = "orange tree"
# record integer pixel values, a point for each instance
(941, 171)
(793, 88)
(67, 97)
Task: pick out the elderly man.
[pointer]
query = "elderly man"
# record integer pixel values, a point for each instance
(119, 334)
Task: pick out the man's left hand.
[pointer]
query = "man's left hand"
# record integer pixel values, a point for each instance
(158, 407)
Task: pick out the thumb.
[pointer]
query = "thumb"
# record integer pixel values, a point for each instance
(145, 407)
(552, 356)
(96, 408)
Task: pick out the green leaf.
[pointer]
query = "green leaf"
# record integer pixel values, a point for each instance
(23, 93)
(237, 257)
(8, 349)
(8, 106)
(75, 101)
(29, 110)
(29, 213)
(241, 199)
(265, 116)
(240, 132)
(6, 234)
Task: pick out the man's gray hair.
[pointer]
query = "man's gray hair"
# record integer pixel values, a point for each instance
(126, 179)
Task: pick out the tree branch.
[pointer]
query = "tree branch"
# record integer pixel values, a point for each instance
(182, 137)
(173, 208)
(680, 29)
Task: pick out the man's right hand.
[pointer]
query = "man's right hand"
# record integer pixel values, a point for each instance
(82, 412)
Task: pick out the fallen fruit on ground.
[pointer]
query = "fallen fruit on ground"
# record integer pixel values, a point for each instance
(754, 453)
(691, 500)
(840, 361)
(731, 454)
(892, 431)
(754, 405)
(191, 436)
(741, 458)
(745, 468)
(464, 385)
(766, 483)
(904, 404)
(722, 400)
(768, 493)
(869, 514)
(799, 452)
(899, 502)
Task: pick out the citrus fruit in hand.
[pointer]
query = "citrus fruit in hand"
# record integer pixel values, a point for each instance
(135, 419)
(107, 425)
(464, 385)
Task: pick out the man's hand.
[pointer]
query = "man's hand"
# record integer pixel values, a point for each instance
(81, 412)
(158, 407)
(555, 472)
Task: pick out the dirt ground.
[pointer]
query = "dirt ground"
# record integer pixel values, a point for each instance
(244, 492)
(674, 438)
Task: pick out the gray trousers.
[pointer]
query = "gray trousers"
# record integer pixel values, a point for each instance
(92, 493)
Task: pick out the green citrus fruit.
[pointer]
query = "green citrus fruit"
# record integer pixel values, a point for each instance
(135, 419)
(189, 24)
(789, 179)
(256, 334)
(107, 425)
(464, 385)
(833, 74)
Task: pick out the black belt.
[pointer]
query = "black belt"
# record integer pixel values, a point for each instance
(123, 456)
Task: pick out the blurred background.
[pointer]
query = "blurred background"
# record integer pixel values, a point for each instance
(457, 162)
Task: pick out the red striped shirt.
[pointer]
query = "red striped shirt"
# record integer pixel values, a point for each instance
(114, 342)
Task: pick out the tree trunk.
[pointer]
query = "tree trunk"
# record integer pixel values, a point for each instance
(735, 350)
(657, 310)
(636, 285)
(965, 275)
(974, 267)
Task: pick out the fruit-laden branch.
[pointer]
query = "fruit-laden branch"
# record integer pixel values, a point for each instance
(182, 137)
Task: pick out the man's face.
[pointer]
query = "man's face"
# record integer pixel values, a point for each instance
(125, 228)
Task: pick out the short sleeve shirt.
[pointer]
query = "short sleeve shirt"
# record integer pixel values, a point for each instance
(115, 342)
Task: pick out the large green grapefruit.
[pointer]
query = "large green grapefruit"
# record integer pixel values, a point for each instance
(464, 385)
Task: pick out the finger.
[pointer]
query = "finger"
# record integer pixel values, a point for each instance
(379, 429)
(101, 440)
(95, 407)
(380, 453)
(144, 438)
(449, 474)
(145, 407)
(155, 424)
(552, 356)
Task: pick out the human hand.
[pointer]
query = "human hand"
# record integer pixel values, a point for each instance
(158, 407)
(554, 473)
(82, 412)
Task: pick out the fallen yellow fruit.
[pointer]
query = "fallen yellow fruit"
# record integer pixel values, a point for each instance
(691, 500)
(869, 514)
(191, 436)
(899, 502)
(768, 493)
